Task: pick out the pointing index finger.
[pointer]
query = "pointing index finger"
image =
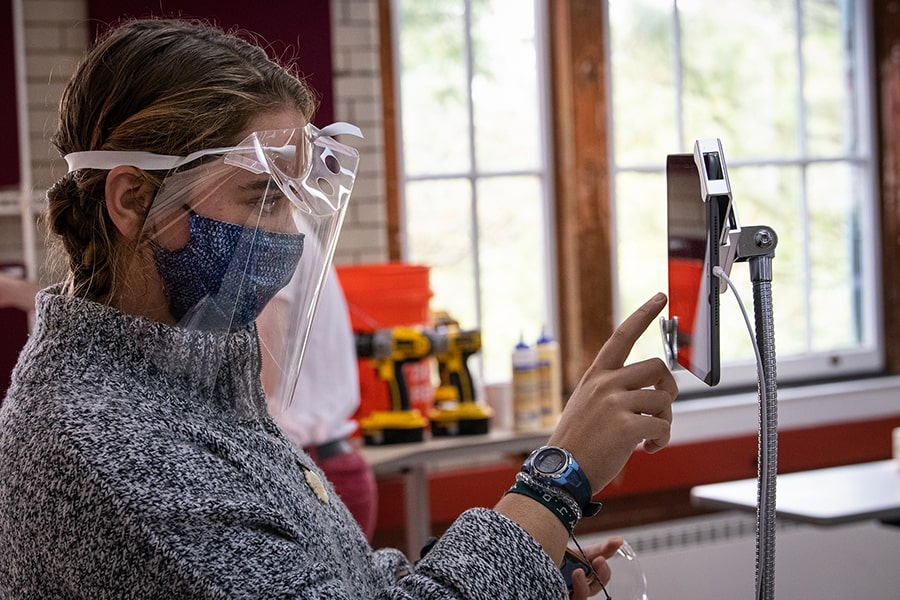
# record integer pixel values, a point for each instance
(617, 348)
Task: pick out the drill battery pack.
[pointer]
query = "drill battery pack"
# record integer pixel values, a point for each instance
(450, 417)
(382, 427)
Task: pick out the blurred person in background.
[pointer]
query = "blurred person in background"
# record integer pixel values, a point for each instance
(320, 416)
(17, 292)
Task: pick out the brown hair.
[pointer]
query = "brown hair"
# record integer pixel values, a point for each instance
(163, 86)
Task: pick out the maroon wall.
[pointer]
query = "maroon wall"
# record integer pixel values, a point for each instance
(9, 125)
(293, 28)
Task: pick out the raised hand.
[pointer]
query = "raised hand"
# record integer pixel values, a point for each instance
(616, 407)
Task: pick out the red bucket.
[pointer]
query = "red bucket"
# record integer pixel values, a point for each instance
(380, 296)
(385, 294)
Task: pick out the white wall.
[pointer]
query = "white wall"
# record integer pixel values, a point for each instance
(357, 90)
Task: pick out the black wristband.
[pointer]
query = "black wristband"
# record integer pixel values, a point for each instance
(550, 489)
(552, 502)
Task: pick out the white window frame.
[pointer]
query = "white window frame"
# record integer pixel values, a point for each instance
(812, 367)
(544, 172)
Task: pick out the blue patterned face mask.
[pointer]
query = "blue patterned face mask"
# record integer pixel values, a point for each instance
(226, 274)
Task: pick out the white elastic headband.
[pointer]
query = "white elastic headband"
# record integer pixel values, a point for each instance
(109, 159)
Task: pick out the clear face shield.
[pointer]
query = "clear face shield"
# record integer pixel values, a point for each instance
(230, 227)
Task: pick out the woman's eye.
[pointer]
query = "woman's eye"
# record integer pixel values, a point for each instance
(271, 201)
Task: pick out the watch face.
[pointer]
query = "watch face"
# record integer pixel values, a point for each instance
(550, 460)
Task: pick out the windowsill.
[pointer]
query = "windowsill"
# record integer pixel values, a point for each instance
(716, 417)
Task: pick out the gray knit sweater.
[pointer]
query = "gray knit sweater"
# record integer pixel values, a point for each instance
(124, 474)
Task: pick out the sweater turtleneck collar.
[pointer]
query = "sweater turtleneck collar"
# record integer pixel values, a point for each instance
(220, 367)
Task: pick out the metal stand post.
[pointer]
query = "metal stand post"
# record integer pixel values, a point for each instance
(757, 246)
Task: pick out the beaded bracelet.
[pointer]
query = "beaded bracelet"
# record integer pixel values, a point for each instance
(554, 503)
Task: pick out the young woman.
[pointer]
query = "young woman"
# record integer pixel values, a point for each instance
(137, 457)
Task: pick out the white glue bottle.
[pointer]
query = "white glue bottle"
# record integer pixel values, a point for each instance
(525, 388)
(549, 379)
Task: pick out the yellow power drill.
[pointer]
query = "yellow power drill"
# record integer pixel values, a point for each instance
(452, 348)
(389, 349)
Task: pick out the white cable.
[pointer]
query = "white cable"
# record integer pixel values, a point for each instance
(720, 273)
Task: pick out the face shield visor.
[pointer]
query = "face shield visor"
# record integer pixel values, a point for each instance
(230, 227)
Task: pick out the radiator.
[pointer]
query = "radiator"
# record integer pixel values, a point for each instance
(698, 531)
(714, 557)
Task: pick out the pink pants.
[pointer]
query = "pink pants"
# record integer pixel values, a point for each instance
(354, 482)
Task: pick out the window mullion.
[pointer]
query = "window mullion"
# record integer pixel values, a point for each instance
(473, 163)
(804, 169)
(677, 67)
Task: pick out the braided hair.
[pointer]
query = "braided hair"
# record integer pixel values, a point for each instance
(157, 85)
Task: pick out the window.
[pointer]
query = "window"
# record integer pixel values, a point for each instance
(474, 174)
(788, 92)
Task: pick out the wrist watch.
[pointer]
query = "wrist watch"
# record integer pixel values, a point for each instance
(555, 466)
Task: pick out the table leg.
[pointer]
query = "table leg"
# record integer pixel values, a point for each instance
(418, 510)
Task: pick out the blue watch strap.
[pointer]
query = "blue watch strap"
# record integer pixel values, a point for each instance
(569, 477)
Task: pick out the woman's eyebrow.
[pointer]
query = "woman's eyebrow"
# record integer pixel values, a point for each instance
(256, 185)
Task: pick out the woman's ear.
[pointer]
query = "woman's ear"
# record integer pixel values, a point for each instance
(128, 195)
